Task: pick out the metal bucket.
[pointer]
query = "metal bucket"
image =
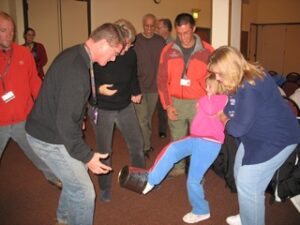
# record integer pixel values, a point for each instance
(133, 178)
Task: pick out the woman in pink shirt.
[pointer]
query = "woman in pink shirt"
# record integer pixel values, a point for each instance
(203, 146)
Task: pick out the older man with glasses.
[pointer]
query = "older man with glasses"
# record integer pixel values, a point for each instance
(148, 47)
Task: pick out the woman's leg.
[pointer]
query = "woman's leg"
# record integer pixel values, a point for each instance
(252, 181)
(166, 159)
(203, 154)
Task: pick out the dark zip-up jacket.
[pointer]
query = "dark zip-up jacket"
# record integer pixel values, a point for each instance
(57, 115)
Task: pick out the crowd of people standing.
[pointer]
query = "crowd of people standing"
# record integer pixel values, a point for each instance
(123, 77)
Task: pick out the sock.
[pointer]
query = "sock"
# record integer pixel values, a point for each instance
(147, 188)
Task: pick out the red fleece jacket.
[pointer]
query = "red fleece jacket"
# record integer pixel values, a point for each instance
(171, 67)
(19, 76)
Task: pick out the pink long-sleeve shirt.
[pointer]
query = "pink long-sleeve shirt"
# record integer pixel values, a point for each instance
(206, 123)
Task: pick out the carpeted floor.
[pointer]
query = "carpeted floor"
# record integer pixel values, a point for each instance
(26, 198)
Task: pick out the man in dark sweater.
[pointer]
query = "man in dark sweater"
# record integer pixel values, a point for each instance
(54, 124)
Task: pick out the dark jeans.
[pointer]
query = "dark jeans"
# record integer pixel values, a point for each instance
(127, 122)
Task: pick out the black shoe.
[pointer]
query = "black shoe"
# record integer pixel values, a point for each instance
(105, 196)
(162, 135)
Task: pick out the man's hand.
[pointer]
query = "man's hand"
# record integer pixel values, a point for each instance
(136, 99)
(96, 166)
(106, 89)
(171, 112)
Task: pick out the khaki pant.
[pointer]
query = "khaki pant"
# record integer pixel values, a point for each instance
(144, 112)
(179, 128)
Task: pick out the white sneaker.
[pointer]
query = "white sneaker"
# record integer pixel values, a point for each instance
(148, 188)
(193, 218)
(296, 201)
(234, 220)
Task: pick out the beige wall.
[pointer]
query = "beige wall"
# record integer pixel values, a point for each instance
(133, 10)
(256, 11)
(270, 11)
(278, 11)
(249, 14)
(15, 9)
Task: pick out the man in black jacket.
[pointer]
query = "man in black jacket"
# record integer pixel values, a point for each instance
(54, 124)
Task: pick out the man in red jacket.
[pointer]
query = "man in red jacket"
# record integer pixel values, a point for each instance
(181, 78)
(19, 86)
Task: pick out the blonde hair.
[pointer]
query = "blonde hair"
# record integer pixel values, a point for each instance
(234, 68)
(211, 80)
(128, 28)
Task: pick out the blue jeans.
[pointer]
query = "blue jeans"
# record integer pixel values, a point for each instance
(18, 134)
(252, 181)
(202, 152)
(77, 198)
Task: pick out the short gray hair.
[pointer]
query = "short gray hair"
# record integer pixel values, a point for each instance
(112, 33)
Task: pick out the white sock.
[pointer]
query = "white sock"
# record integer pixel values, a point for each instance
(147, 188)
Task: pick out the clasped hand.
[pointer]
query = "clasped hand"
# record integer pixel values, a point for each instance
(106, 89)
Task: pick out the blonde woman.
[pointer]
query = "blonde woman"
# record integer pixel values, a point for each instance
(259, 118)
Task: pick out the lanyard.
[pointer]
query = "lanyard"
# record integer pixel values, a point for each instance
(6, 69)
(92, 74)
(93, 83)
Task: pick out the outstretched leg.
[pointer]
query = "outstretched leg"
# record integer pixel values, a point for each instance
(166, 159)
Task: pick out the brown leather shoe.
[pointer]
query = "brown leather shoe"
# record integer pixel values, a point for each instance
(56, 183)
(59, 223)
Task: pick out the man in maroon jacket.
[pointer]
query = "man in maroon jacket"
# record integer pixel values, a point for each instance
(37, 50)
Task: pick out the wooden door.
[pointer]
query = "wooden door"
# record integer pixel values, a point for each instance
(61, 24)
(74, 21)
(292, 50)
(270, 47)
(252, 55)
(276, 46)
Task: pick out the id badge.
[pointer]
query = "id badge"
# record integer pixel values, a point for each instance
(185, 82)
(8, 96)
(95, 115)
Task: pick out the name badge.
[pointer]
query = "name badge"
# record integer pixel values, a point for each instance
(8, 96)
(185, 82)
